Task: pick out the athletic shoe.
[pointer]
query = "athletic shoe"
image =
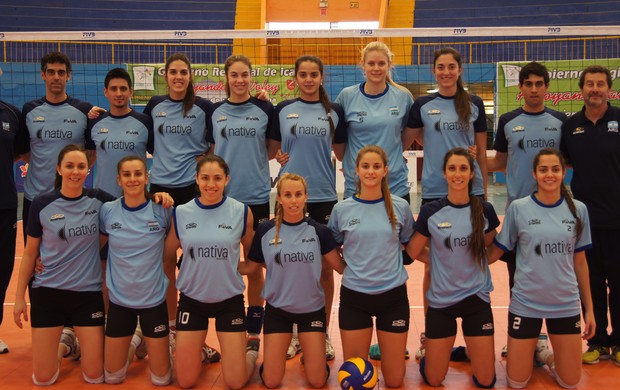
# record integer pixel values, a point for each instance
(294, 348)
(505, 351)
(3, 347)
(330, 354)
(374, 352)
(141, 348)
(253, 343)
(459, 354)
(594, 354)
(615, 355)
(210, 355)
(419, 354)
(68, 338)
(542, 345)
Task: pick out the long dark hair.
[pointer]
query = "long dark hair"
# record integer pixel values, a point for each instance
(323, 96)
(566, 194)
(125, 159)
(63, 152)
(462, 101)
(385, 187)
(190, 94)
(477, 244)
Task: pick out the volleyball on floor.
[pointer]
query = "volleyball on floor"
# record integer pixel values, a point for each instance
(357, 374)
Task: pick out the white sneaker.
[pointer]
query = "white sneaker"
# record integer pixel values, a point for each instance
(141, 348)
(294, 348)
(542, 346)
(330, 354)
(504, 351)
(3, 347)
(419, 354)
(68, 338)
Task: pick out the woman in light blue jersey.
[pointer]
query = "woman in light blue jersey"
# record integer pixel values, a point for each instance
(63, 230)
(550, 233)
(135, 229)
(458, 227)
(210, 229)
(447, 119)
(240, 132)
(307, 127)
(294, 249)
(376, 114)
(372, 224)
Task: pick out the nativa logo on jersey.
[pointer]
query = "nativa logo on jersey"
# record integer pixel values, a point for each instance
(308, 130)
(294, 257)
(553, 248)
(117, 145)
(238, 132)
(449, 126)
(535, 143)
(84, 230)
(54, 134)
(164, 129)
(212, 252)
(451, 243)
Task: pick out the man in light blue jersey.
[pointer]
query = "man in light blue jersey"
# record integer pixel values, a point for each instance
(47, 125)
(117, 133)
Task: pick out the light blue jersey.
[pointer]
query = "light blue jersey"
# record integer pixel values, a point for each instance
(294, 264)
(135, 271)
(178, 139)
(69, 233)
(240, 132)
(303, 128)
(442, 132)
(544, 238)
(210, 238)
(371, 248)
(375, 120)
(455, 275)
(522, 135)
(115, 137)
(47, 128)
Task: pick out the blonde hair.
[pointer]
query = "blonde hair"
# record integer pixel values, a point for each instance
(385, 187)
(383, 48)
(279, 209)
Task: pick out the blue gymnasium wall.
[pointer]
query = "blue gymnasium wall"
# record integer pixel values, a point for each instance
(80, 15)
(476, 13)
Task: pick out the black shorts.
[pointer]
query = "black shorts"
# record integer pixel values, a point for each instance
(390, 308)
(509, 257)
(321, 211)
(520, 327)
(181, 195)
(194, 315)
(51, 307)
(260, 213)
(476, 314)
(122, 321)
(281, 321)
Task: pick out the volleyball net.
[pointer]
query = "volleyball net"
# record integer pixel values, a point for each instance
(492, 57)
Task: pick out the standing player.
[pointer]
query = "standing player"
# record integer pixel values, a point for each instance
(135, 228)
(372, 224)
(444, 120)
(240, 132)
(9, 118)
(591, 143)
(307, 127)
(179, 122)
(550, 233)
(64, 231)
(210, 229)
(459, 228)
(117, 133)
(520, 135)
(48, 125)
(375, 114)
(294, 249)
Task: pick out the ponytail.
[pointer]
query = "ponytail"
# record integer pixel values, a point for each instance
(462, 100)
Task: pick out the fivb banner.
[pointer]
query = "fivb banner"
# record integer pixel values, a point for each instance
(209, 81)
(563, 93)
